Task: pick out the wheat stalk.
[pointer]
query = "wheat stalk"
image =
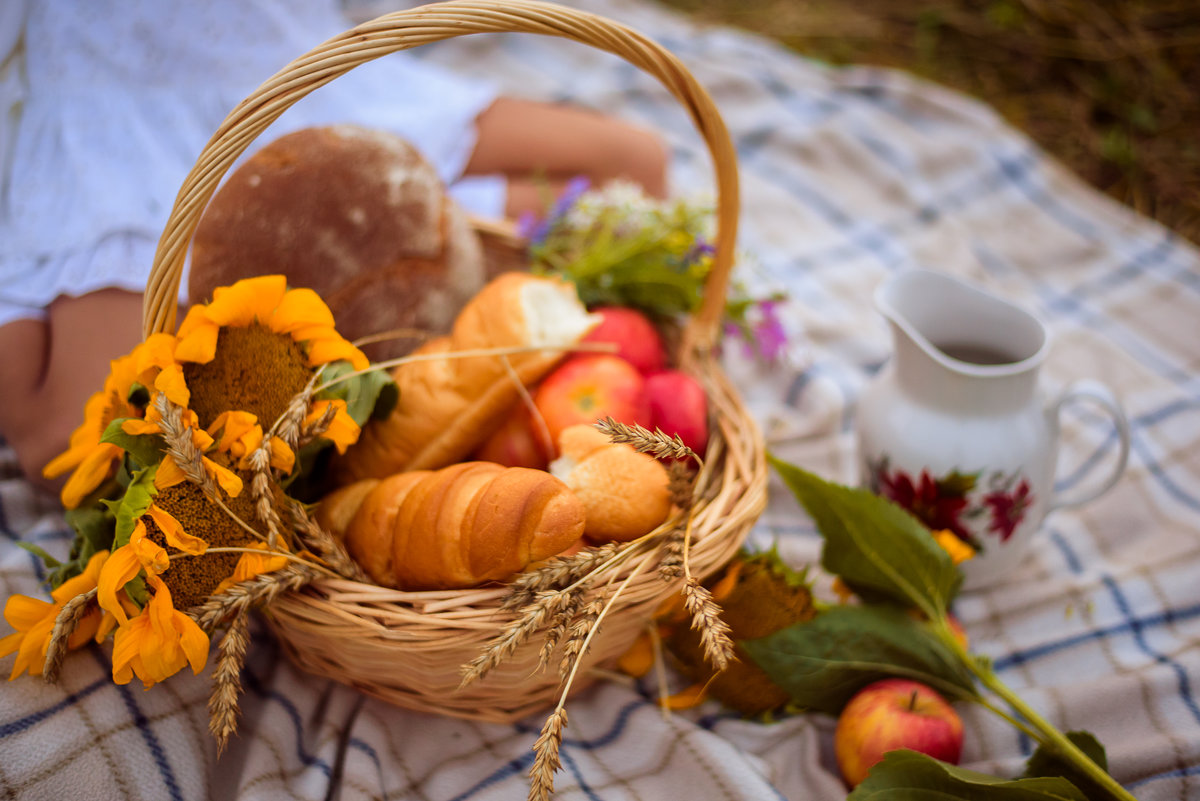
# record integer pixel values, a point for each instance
(260, 491)
(287, 426)
(261, 589)
(318, 426)
(670, 565)
(706, 619)
(227, 681)
(557, 573)
(655, 443)
(65, 624)
(681, 483)
(560, 622)
(181, 447)
(546, 761)
(579, 635)
(325, 544)
(546, 604)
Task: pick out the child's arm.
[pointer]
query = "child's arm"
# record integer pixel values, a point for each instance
(52, 366)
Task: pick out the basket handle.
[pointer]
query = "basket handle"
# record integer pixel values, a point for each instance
(409, 28)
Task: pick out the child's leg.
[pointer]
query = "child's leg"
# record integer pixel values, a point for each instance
(52, 366)
(537, 144)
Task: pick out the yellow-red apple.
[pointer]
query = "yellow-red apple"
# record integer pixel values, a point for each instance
(679, 406)
(584, 389)
(891, 714)
(520, 442)
(637, 340)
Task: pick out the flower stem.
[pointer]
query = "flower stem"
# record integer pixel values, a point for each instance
(1038, 727)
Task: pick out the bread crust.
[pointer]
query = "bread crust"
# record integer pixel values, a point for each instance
(357, 215)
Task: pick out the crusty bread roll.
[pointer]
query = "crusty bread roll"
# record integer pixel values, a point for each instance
(460, 526)
(625, 493)
(357, 215)
(448, 406)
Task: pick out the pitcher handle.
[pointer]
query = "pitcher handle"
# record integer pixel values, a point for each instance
(1097, 393)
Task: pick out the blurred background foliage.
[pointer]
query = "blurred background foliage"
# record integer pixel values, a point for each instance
(1109, 88)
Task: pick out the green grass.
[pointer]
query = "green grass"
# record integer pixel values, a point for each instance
(1109, 88)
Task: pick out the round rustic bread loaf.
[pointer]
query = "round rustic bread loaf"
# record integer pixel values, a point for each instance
(356, 214)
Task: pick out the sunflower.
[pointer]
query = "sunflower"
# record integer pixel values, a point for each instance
(253, 348)
(34, 620)
(150, 364)
(157, 644)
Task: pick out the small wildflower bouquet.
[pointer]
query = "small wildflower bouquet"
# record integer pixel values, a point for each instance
(178, 488)
(622, 247)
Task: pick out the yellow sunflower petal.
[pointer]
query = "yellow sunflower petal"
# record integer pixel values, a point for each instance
(282, 457)
(67, 460)
(174, 534)
(127, 648)
(85, 630)
(333, 348)
(23, 612)
(169, 473)
(199, 345)
(122, 566)
(343, 431)
(171, 383)
(84, 582)
(10, 643)
(158, 351)
(135, 427)
(192, 640)
(300, 308)
(92, 471)
(225, 478)
(31, 656)
(247, 301)
(234, 426)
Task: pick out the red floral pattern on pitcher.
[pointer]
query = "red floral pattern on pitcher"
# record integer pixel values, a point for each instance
(949, 502)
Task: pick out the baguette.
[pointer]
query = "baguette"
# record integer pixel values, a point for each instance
(448, 406)
(459, 526)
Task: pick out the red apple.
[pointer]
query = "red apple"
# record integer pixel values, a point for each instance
(892, 714)
(637, 340)
(678, 405)
(584, 389)
(519, 442)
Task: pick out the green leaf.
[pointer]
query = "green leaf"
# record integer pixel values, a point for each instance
(1044, 762)
(874, 545)
(370, 394)
(909, 776)
(822, 662)
(133, 504)
(146, 449)
(40, 553)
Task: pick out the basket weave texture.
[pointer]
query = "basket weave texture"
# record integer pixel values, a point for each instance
(408, 647)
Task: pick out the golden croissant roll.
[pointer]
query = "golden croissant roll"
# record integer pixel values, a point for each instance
(448, 406)
(456, 527)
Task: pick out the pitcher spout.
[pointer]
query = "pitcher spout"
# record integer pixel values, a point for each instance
(956, 345)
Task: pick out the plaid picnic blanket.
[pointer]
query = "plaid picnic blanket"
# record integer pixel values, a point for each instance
(849, 175)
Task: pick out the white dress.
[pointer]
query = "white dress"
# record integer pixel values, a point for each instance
(109, 103)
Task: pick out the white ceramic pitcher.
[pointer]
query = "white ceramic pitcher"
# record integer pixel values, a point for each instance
(954, 427)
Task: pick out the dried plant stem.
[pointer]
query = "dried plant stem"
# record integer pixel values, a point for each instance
(556, 573)
(394, 333)
(670, 566)
(559, 624)
(579, 634)
(262, 589)
(325, 544)
(660, 668)
(318, 427)
(291, 557)
(227, 681)
(602, 347)
(655, 443)
(65, 624)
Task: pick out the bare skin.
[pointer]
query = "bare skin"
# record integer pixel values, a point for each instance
(51, 367)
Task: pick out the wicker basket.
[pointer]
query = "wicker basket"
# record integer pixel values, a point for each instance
(408, 647)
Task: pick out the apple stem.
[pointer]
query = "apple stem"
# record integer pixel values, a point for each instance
(1042, 730)
(912, 701)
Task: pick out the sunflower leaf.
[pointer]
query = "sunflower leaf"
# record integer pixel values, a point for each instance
(146, 449)
(133, 504)
(874, 545)
(369, 395)
(909, 776)
(822, 662)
